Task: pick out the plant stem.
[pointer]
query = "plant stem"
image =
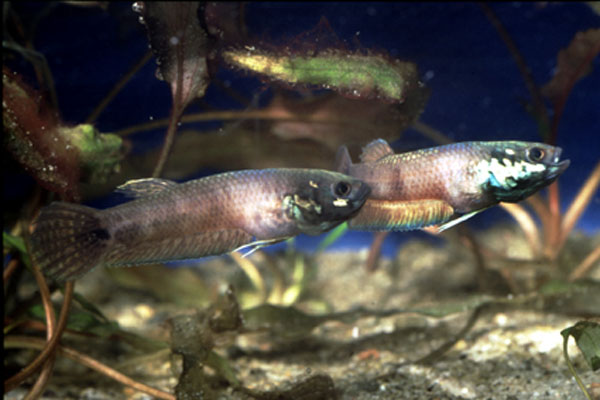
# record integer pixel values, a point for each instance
(35, 343)
(118, 87)
(572, 369)
(19, 377)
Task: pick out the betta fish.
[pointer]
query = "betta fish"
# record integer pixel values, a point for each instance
(207, 216)
(446, 185)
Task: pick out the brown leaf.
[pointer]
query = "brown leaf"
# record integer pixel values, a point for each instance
(574, 63)
(333, 120)
(179, 44)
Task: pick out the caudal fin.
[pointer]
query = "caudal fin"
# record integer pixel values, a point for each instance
(68, 240)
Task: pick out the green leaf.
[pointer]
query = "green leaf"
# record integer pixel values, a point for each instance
(332, 237)
(14, 242)
(88, 306)
(587, 337)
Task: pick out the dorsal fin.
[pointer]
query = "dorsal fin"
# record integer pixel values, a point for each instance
(144, 187)
(343, 160)
(375, 151)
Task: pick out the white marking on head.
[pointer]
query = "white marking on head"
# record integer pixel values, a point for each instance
(340, 202)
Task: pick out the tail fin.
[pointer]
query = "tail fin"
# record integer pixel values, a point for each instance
(343, 160)
(68, 240)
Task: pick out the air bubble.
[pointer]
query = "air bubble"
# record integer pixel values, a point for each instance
(137, 7)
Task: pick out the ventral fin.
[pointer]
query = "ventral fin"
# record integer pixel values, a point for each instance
(258, 244)
(375, 151)
(454, 222)
(145, 187)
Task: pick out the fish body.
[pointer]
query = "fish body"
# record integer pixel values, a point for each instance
(202, 217)
(446, 183)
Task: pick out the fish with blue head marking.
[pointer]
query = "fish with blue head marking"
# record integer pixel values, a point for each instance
(448, 184)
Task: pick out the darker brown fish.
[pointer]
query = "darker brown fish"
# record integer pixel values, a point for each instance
(208, 216)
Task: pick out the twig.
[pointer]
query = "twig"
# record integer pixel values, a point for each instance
(117, 88)
(42, 380)
(431, 133)
(541, 209)
(584, 267)
(440, 351)
(35, 343)
(534, 91)
(372, 262)
(526, 223)
(469, 241)
(168, 143)
(10, 268)
(559, 104)
(578, 205)
(16, 379)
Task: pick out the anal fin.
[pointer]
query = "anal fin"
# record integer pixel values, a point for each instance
(384, 215)
(191, 246)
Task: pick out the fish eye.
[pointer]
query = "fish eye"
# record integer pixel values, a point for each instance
(535, 154)
(342, 189)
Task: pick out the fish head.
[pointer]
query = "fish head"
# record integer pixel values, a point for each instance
(516, 170)
(325, 200)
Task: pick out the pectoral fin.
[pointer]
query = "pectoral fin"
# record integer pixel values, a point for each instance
(383, 215)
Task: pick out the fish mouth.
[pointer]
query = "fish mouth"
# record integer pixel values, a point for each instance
(557, 167)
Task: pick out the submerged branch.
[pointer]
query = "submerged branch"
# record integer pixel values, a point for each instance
(50, 346)
(579, 204)
(35, 343)
(536, 96)
(586, 265)
(117, 88)
(42, 380)
(526, 223)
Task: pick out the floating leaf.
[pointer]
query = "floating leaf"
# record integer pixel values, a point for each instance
(179, 44)
(587, 337)
(574, 63)
(353, 74)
